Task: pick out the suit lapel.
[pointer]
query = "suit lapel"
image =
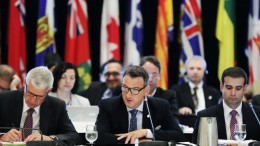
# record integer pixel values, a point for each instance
(221, 122)
(187, 92)
(123, 116)
(17, 109)
(45, 114)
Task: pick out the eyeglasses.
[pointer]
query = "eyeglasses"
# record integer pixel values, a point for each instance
(29, 93)
(153, 75)
(114, 73)
(134, 91)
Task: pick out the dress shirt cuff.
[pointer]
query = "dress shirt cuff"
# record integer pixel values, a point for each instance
(149, 134)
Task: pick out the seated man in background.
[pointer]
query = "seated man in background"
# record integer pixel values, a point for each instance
(195, 95)
(124, 118)
(33, 108)
(111, 87)
(232, 110)
(153, 67)
(9, 80)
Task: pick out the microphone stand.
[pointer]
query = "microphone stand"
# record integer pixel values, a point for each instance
(251, 105)
(150, 117)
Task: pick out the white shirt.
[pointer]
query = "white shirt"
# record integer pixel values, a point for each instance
(227, 116)
(139, 117)
(200, 95)
(76, 100)
(35, 116)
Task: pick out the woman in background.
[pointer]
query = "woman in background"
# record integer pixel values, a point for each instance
(66, 82)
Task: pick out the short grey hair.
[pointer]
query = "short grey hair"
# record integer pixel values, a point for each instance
(197, 58)
(40, 77)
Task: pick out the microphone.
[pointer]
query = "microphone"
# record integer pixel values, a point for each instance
(251, 105)
(22, 129)
(149, 115)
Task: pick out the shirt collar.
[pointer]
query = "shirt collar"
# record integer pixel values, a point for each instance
(25, 107)
(192, 85)
(227, 109)
(139, 108)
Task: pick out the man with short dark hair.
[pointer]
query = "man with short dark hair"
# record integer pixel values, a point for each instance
(125, 118)
(232, 110)
(153, 67)
(111, 87)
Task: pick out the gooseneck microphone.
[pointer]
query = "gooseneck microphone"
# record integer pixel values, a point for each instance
(149, 114)
(251, 105)
(18, 128)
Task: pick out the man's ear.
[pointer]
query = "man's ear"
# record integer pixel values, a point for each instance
(147, 90)
(221, 87)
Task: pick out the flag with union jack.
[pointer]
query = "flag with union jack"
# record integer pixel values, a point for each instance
(191, 34)
(77, 50)
(254, 45)
(45, 31)
(17, 37)
(133, 33)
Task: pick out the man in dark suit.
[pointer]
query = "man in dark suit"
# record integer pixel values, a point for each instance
(33, 108)
(111, 87)
(153, 67)
(233, 86)
(125, 118)
(195, 95)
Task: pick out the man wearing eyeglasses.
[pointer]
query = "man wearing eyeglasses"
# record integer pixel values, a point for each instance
(153, 67)
(34, 109)
(111, 87)
(125, 118)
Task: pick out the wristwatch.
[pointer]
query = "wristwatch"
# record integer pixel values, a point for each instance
(54, 138)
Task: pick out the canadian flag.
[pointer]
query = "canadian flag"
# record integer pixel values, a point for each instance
(110, 40)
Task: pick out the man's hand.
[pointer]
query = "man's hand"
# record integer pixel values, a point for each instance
(185, 111)
(15, 82)
(37, 136)
(131, 136)
(11, 136)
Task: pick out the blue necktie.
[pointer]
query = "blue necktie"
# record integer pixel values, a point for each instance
(133, 120)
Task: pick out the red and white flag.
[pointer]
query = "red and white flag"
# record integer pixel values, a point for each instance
(254, 45)
(110, 36)
(17, 37)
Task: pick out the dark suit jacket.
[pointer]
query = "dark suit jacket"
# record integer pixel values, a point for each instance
(252, 126)
(170, 96)
(113, 119)
(54, 119)
(184, 97)
(95, 92)
(256, 100)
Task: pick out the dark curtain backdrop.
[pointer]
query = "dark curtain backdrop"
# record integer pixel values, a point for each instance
(149, 10)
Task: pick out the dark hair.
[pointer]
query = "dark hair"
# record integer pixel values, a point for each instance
(59, 70)
(151, 59)
(234, 72)
(51, 59)
(137, 71)
(102, 68)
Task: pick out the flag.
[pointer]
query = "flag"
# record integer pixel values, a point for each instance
(17, 37)
(45, 31)
(164, 34)
(225, 33)
(254, 45)
(110, 39)
(133, 33)
(191, 34)
(77, 50)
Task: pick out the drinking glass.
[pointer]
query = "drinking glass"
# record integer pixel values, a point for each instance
(91, 133)
(240, 132)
